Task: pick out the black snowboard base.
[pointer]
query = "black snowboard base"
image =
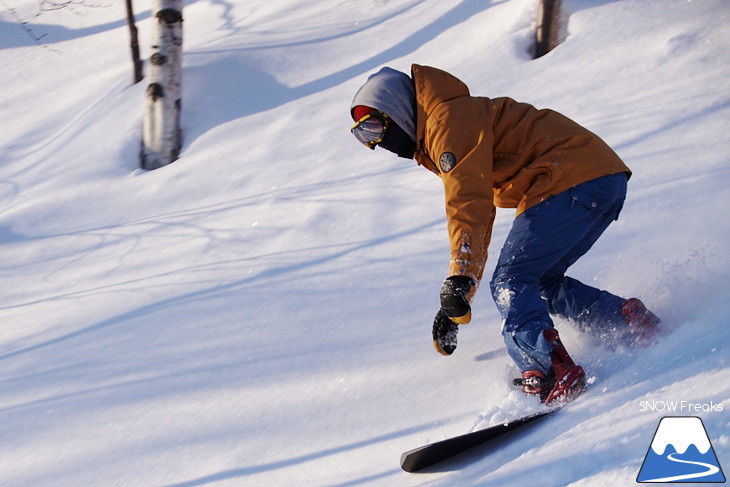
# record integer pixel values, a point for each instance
(425, 456)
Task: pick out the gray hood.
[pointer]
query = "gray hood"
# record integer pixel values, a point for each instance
(393, 93)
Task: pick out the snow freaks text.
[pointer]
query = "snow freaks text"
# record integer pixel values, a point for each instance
(682, 407)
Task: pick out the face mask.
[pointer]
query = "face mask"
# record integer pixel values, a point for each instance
(398, 142)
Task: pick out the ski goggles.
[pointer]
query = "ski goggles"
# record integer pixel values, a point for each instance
(371, 128)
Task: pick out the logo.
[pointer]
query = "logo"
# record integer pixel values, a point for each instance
(447, 161)
(680, 452)
(680, 407)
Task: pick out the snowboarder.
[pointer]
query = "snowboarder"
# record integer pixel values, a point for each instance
(567, 186)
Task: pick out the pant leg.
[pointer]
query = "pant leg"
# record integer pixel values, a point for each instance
(566, 224)
(591, 308)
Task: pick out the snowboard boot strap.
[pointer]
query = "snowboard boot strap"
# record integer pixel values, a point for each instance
(534, 382)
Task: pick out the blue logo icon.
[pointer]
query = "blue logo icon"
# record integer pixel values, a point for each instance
(681, 452)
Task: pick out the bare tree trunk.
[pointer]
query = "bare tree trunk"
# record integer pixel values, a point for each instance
(162, 137)
(134, 43)
(547, 34)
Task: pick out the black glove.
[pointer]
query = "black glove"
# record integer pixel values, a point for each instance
(455, 310)
(455, 295)
(444, 334)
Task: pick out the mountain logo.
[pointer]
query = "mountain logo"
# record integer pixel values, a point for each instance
(680, 452)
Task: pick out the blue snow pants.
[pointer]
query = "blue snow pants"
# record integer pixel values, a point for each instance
(529, 282)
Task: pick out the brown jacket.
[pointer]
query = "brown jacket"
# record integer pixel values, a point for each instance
(496, 152)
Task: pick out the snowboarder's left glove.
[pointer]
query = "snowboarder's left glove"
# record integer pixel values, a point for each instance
(444, 334)
(456, 293)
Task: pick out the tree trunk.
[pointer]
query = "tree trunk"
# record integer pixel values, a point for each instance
(547, 34)
(134, 43)
(162, 137)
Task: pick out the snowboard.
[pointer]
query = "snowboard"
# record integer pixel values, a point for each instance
(427, 455)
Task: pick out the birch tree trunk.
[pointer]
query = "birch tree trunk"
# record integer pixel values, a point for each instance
(162, 137)
(134, 43)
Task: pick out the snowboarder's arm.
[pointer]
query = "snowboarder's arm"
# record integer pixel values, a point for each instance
(462, 150)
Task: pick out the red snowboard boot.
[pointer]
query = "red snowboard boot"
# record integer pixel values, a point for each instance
(643, 324)
(565, 380)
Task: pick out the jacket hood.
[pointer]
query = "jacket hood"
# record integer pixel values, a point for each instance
(392, 92)
(433, 86)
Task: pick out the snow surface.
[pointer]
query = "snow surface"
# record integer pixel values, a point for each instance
(259, 312)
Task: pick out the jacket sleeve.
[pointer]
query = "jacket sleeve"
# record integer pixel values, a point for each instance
(462, 149)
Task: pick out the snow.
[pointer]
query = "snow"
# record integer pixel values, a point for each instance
(259, 312)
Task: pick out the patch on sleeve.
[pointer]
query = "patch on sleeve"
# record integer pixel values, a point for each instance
(447, 161)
